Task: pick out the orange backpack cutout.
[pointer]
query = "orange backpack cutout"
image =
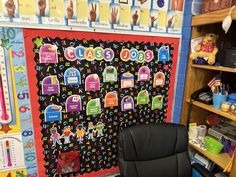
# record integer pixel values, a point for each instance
(111, 99)
(159, 79)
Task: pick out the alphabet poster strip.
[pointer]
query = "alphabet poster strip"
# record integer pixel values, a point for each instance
(100, 99)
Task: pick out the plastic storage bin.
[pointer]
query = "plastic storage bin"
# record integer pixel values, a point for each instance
(213, 145)
(232, 98)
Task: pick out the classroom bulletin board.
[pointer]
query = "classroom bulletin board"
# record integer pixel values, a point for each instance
(84, 87)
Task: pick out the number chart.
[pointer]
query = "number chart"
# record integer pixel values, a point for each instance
(17, 142)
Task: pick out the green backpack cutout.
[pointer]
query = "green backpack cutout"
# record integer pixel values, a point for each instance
(93, 107)
(157, 102)
(143, 97)
(110, 74)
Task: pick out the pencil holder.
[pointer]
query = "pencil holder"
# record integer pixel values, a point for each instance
(218, 100)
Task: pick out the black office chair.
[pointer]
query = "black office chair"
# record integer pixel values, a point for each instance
(156, 150)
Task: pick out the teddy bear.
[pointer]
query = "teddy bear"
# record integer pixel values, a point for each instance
(207, 49)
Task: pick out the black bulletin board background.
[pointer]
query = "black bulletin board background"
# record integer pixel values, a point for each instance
(101, 153)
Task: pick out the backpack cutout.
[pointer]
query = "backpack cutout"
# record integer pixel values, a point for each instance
(111, 99)
(92, 82)
(164, 54)
(110, 74)
(144, 73)
(127, 80)
(53, 113)
(48, 54)
(127, 103)
(72, 77)
(159, 79)
(93, 107)
(50, 85)
(73, 103)
(157, 102)
(143, 97)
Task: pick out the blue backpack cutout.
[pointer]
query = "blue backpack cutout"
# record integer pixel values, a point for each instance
(163, 54)
(72, 77)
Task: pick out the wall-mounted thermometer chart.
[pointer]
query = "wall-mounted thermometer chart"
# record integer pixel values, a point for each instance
(6, 94)
(11, 152)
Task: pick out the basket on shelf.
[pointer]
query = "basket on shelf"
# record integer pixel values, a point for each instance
(213, 145)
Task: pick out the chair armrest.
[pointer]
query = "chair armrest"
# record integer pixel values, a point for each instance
(202, 170)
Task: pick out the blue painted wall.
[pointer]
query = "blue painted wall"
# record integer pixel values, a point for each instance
(183, 61)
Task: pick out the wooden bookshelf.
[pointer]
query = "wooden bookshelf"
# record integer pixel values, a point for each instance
(198, 76)
(215, 68)
(212, 17)
(221, 159)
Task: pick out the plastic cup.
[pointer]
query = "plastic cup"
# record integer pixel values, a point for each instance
(218, 100)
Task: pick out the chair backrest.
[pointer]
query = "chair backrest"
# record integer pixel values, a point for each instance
(154, 150)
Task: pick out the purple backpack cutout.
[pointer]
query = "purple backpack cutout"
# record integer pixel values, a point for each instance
(73, 103)
(50, 85)
(127, 103)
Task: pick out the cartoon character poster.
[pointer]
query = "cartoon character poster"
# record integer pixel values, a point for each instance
(98, 106)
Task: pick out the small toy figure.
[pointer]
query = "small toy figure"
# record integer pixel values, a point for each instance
(207, 49)
(99, 129)
(67, 134)
(91, 131)
(80, 131)
(55, 137)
